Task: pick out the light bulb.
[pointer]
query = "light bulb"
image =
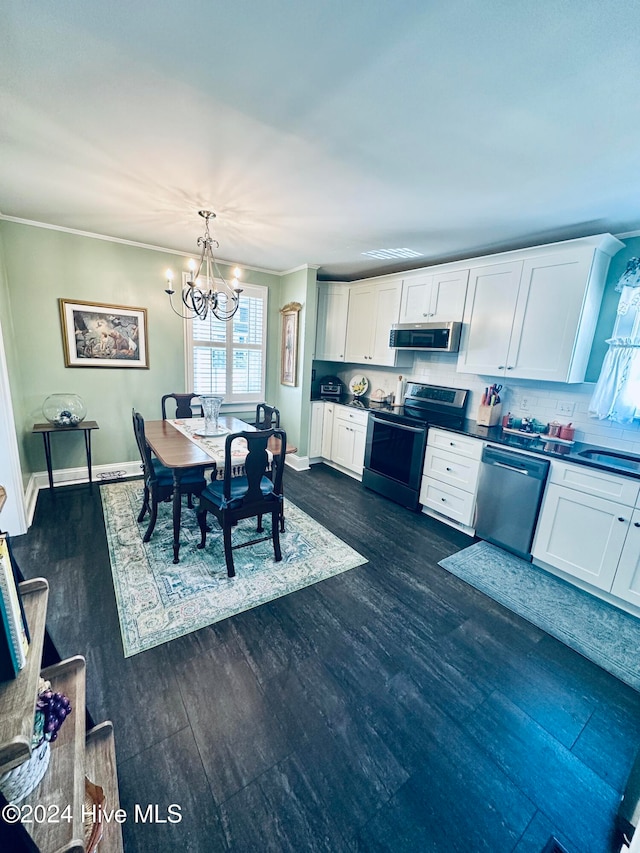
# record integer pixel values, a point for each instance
(169, 276)
(237, 272)
(192, 264)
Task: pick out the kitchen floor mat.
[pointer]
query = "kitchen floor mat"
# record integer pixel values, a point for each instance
(598, 630)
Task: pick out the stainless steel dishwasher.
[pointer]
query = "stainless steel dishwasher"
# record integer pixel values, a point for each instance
(509, 496)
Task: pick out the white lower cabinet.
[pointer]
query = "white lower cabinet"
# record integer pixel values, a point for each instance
(581, 534)
(327, 429)
(589, 537)
(450, 477)
(626, 583)
(338, 435)
(315, 431)
(455, 504)
(349, 439)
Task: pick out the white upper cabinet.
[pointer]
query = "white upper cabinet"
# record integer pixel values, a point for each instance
(436, 297)
(373, 309)
(534, 316)
(491, 305)
(331, 328)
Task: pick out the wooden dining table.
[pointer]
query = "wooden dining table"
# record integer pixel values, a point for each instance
(178, 452)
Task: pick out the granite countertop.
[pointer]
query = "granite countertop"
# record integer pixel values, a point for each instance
(356, 403)
(630, 465)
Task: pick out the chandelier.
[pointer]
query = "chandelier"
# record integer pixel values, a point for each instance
(206, 289)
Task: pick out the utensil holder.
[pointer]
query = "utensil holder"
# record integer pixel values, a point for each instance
(489, 415)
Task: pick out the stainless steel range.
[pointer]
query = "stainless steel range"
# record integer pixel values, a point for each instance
(396, 440)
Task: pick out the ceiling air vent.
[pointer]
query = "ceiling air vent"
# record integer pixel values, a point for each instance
(390, 254)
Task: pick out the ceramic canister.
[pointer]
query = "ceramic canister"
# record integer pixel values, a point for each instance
(567, 432)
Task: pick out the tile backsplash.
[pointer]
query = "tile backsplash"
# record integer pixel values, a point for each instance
(544, 401)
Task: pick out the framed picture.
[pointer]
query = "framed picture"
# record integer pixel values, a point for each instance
(97, 335)
(289, 346)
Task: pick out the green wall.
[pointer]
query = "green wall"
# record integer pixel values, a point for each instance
(43, 265)
(293, 402)
(13, 362)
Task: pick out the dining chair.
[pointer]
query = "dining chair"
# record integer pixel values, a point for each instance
(183, 405)
(267, 417)
(258, 492)
(158, 479)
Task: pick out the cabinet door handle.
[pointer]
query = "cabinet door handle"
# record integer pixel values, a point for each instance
(636, 523)
(443, 499)
(447, 468)
(620, 518)
(510, 367)
(501, 367)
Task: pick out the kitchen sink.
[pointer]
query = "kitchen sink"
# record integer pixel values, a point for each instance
(614, 458)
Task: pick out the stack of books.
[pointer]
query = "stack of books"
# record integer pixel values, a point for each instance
(14, 631)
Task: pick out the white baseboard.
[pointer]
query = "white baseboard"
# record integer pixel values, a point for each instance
(116, 471)
(298, 463)
(73, 476)
(30, 499)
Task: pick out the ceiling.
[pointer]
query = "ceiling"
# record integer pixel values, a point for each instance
(321, 130)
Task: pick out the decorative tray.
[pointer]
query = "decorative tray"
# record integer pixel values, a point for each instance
(552, 439)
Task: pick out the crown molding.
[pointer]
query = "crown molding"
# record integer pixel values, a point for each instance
(627, 234)
(301, 267)
(133, 243)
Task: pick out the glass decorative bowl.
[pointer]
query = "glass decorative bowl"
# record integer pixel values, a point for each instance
(64, 410)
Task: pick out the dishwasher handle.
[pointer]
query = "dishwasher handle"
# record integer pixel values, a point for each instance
(510, 467)
(519, 463)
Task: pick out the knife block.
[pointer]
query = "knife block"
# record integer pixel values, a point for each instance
(489, 415)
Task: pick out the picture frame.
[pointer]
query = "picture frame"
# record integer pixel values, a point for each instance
(98, 335)
(289, 344)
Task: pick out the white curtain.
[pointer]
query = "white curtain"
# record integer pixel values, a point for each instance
(617, 393)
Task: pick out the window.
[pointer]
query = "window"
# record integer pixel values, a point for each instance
(229, 357)
(617, 393)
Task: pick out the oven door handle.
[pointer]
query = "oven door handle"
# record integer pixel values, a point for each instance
(396, 425)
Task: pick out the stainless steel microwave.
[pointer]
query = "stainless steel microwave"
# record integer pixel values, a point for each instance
(435, 337)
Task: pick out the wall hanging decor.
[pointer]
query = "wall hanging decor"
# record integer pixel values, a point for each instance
(289, 345)
(98, 335)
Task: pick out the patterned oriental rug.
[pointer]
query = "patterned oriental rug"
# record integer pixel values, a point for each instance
(598, 630)
(158, 601)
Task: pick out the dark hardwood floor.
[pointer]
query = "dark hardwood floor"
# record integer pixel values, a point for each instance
(390, 708)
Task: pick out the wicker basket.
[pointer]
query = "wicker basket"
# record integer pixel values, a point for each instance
(18, 783)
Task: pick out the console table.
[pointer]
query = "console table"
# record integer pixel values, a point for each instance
(45, 431)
